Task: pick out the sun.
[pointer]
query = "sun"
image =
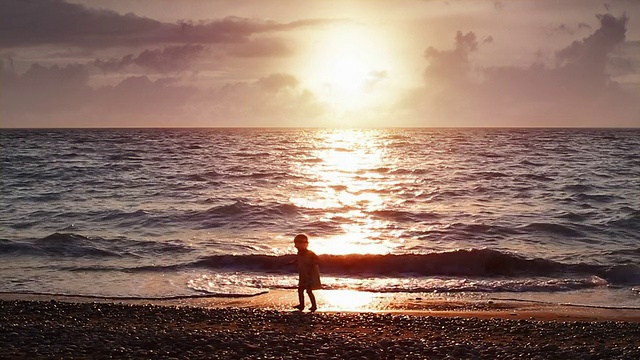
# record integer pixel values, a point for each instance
(349, 67)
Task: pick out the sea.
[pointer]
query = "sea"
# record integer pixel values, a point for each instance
(534, 214)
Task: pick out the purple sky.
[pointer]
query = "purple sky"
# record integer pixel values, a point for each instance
(366, 63)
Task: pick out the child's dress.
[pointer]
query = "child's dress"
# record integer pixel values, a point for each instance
(308, 270)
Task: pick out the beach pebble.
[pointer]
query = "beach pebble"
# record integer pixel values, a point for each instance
(90, 330)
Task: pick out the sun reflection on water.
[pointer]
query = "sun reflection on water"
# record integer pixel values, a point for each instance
(345, 183)
(347, 300)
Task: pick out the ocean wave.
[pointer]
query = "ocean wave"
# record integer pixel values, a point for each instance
(120, 215)
(482, 229)
(488, 175)
(538, 177)
(196, 178)
(631, 221)
(531, 163)
(623, 274)
(552, 228)
(577, 188)
(229, 282)
(485, 263)
(70, 245)
(631, 252)
(415, 171)
(241, 207)
(457, 285)
(267, 175)
(571, 216)
(598, 198)
(124, 156)
(404, 216)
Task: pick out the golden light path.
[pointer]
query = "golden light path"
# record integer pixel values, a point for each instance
(345, 188)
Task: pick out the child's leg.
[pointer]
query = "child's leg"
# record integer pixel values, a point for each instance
(301, 298)
(313, 300)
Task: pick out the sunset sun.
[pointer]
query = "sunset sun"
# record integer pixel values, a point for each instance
(348, 67)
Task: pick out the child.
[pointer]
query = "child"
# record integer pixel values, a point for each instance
(308, 270)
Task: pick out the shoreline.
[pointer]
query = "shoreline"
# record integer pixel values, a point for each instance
(346, 301)
(96, 330)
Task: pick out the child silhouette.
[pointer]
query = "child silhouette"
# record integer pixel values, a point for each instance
(308, 271)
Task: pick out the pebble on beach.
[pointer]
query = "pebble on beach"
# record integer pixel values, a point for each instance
(54, 329)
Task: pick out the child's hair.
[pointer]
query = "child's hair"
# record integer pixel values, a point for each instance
(301, 238)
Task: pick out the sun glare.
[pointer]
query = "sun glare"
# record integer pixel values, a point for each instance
(347, 197)
(349, 67)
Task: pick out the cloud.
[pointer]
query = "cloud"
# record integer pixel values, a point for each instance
(44, 89)
(167, 59)
(577, 91)
(584, 26)
(47, 22)
(451, 67)
(263, 47)
(27, 23)
(274, 99)
(136, 100)
(570, 29)
(275, 82)
(591, 53)
(60, 96)
(621, 62)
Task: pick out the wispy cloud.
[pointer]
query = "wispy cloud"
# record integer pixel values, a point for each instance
(167, 59)
(46, 22)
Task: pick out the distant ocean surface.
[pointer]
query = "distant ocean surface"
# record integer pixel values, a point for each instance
(544, 214)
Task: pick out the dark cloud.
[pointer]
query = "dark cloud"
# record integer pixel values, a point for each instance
(590, 54)
(577, 91)
(44, 22)
(167, 59)
(451, 67)
(26, 23)
(584, 26)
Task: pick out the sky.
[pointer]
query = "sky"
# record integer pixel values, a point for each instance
(332, 63)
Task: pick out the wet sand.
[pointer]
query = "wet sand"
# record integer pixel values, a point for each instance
(345, 301)
(263, 327)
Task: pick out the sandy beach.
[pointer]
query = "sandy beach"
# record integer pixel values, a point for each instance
(263, 327)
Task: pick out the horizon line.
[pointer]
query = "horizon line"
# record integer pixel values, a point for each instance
(317, 127)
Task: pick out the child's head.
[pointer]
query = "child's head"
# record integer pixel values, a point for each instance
(301, 241)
